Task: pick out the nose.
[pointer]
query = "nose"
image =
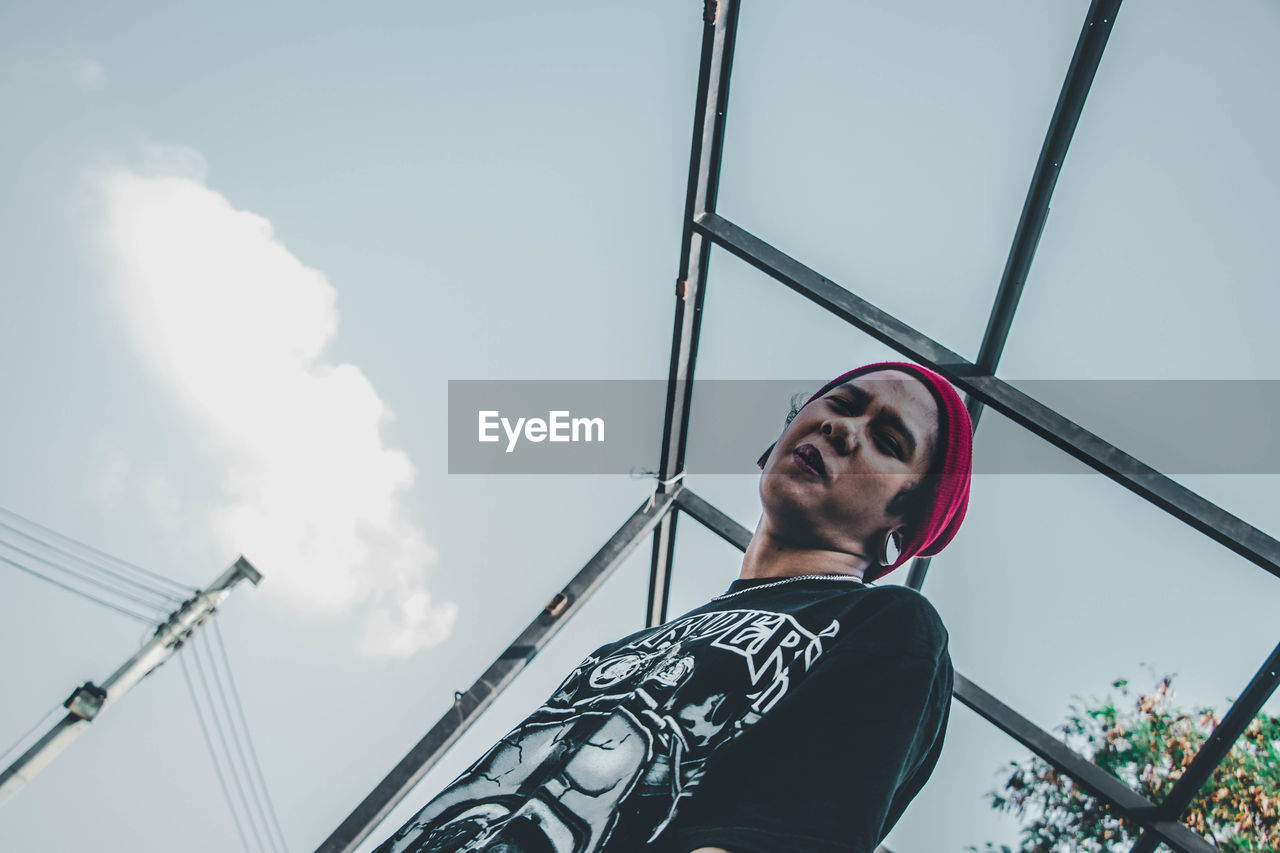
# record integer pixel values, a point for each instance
(844, 433)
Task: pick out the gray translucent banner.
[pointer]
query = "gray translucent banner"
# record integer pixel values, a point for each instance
(573, 426)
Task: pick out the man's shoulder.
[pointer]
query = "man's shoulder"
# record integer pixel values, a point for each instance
(901, 597)
(905, 615)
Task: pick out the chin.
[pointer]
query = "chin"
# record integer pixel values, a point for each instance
(789, 508)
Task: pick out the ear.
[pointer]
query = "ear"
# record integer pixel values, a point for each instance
(764, 456)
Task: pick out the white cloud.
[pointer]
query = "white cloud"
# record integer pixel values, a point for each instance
(237, 325)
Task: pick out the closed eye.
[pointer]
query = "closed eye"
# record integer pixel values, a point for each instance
(889, 442)
(844, 404)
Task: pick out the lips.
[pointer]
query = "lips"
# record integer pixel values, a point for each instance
(810, 457)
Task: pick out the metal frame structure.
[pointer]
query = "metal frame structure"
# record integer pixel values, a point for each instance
(704, 228)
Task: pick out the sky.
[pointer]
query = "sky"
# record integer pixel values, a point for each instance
(244, 249)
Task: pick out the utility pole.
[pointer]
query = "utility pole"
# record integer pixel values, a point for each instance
(89, 700)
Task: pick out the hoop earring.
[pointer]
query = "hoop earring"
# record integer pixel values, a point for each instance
(891, 548)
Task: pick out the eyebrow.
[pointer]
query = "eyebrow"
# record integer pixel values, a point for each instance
(887, 415)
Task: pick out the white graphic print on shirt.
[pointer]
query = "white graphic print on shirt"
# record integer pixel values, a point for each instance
(622, 740)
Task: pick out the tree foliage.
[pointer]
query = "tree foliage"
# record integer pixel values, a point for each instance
(1147, 743)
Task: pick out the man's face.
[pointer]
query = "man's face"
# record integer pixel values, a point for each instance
(829, 479)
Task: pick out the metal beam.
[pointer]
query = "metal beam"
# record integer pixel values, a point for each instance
(917, 571)
(713, 519)
(720, 24)
(1215, 748)
(469, 704)
(1035, 209)
(1086, 774)
(1104, 457)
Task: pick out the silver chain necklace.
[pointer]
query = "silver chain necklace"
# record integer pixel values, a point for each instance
(789, 580)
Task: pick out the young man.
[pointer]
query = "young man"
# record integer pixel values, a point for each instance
(799, 711)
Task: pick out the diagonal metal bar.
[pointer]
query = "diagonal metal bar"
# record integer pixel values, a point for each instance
(1104, 457)
(1035, 210)
(917, 571)
(468, 705)
(1216, 747)
(720, 24)
(713, 519)
(1086, 774)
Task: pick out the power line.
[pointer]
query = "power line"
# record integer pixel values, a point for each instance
(222, 740)
(168, 597)
(140, 617)
(213, 756)
(179, 587)
(86, 578)
(238, 741)
(240, 744)
(253, 752)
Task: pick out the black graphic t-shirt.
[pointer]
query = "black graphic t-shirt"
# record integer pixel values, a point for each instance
(796, 715)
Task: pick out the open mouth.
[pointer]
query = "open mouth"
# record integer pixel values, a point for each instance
(808, 456)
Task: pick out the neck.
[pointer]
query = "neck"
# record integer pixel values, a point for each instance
(769, 556)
